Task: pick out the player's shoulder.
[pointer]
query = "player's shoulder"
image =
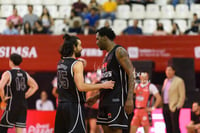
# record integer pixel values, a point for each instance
(121, 51)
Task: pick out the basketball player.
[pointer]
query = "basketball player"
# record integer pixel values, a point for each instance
(15, 82)
(69, 116)
(143, 91)
(117, 103)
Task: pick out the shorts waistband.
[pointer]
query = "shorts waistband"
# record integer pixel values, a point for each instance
(140, 108)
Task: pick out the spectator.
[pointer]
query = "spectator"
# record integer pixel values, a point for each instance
(133, 30)
(87, 30)
(197, 1)
(38, 28)
(93, 4)
(76, 28)
(135, 1)
(109, 9)
(107, 24)
(43, 103)
(74, 22)
(11, 29)
(27, 28)
(79, 7)
(195, 25)
(30, 17)
(16, 19)
(46, 19)
(194, 125)
(120, 2)
(160, 30)
(175, 29)
(92, 17)
(173, 92)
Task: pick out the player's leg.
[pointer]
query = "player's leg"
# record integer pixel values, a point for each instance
(3, 129)
(107, 129)
(59, 120)
(19, 130)
(135, 123)
(134, 129)
(93, 125)
(146, 129)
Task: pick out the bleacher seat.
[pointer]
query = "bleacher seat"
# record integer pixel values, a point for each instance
(182, 11)
(138, 11)
(48, 2)
(6, 1)
(102, 22)
(182, 24)
(35, 2)
(101, 2)
(6, 10)
(167, 12)
(152, 11)
(22, 10)
(119, 25)
(123, 12)
(20, 2)
(130, 23)
(149, 26)
(63, 2)
(37, 9)
(53, 11)
(2, 25)
(86, 1)
(64, 11)
(161, 2)
(167, 24)
(195, 8)
(59, 26)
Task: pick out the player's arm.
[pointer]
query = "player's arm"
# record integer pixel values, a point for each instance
(158, 100)
(154, 90)
(82, 86)
(125, 62)
(4, 80)
(33, 86)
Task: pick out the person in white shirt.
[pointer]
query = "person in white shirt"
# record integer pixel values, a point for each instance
(43, 103)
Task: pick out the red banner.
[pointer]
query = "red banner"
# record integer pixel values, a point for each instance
(40, 52)
(43, 122)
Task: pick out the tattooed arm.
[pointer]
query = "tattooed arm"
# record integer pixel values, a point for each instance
(125, 62)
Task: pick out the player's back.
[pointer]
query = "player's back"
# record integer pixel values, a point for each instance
(67, 90)
(16, 88)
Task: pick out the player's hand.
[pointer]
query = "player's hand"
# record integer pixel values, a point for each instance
(5, 98)
(108, 84)
(129, 106)
(149, 109)
(91, 101)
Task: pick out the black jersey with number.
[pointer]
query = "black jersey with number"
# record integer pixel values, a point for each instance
(16, 89)
(67, 90)
(112, 70)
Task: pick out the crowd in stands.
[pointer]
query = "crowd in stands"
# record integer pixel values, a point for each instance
(86, 18)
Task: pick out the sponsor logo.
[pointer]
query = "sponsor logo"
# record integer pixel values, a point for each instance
(133, 52)
(39, 128)
(25, 52)
(197, 52)
(91, 52)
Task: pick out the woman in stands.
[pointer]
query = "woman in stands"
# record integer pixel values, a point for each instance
(47, 20)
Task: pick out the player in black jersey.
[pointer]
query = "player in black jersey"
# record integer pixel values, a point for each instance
(14, 91)
(69, 115)
(117, 103)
